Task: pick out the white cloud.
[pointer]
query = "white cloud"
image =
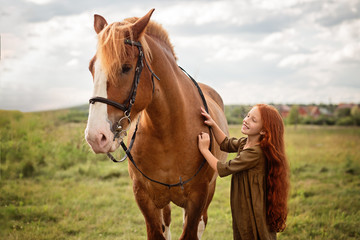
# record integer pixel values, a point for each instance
(250, 51)
(199, 12)
(280, 38)
(250, 93)
(350, 52)
(270, 57)
(39, 2)
(73, 62)
(295, 60)
(229, 54)
(11, 45)
(53, 61)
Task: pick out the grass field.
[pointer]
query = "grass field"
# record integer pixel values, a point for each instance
(53, 187)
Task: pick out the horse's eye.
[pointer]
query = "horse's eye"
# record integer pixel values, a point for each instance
(126, 68)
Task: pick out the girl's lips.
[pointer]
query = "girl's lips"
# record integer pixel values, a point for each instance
(245, 126)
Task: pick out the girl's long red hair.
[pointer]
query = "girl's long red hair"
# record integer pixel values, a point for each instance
(277, 182)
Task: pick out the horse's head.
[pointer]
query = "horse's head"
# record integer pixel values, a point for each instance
(120, 72)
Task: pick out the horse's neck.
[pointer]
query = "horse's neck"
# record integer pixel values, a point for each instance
(172, 98)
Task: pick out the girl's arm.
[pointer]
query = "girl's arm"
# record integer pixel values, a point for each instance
(204, 142)
(218, 133)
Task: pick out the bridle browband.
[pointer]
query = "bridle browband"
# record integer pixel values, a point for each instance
(120, 133)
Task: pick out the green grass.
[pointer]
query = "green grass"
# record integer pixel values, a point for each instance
(53, 187)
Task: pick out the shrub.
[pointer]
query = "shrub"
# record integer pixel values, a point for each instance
(345, 121)
(28, 169)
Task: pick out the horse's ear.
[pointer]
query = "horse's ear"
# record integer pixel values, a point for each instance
(99, 23)
(140, 25)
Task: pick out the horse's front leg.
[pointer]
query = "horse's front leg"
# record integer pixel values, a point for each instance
(194, 222)
(166, 214)
(153, 215)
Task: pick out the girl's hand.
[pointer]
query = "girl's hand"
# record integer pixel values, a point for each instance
(208, 119)
(204, 141)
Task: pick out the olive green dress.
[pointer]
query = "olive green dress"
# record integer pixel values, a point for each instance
(248, 190)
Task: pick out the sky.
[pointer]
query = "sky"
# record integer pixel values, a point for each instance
(250, 51)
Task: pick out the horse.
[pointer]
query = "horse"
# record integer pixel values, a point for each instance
(135, 64)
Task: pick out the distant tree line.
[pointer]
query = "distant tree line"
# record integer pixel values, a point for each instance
(236, 113)
(320, 114)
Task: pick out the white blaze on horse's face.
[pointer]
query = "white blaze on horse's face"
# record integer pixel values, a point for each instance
(97, 132)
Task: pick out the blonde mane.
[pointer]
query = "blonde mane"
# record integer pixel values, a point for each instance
(111, 47)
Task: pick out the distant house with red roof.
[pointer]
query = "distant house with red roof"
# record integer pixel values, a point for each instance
(314, 111)
(344, 109)
(303, 112)
(284, 110)
(345, 106)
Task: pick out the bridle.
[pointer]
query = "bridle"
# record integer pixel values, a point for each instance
(118, 130)
(120, 133)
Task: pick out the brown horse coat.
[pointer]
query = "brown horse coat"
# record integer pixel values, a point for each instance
(165, 148)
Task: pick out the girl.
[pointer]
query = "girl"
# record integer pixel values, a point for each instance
(260, 172)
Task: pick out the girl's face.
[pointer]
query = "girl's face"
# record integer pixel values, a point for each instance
(252, 124)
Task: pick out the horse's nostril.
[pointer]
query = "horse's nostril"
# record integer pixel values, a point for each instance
(103, 139)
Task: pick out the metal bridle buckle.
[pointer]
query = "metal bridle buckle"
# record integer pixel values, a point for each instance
(120, 132)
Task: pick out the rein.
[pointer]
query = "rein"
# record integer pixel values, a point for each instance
(120, 133)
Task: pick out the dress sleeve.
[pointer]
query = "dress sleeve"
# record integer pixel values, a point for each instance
(232, 144)
(247, 159)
